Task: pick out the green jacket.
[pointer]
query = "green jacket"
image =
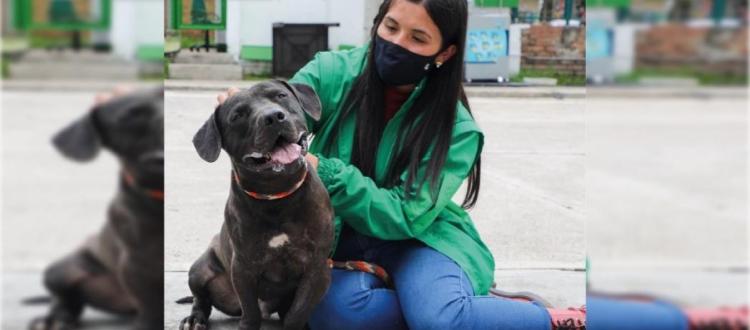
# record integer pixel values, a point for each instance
(386, 213)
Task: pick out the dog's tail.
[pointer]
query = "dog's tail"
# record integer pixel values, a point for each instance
(38, 300)
(185, 300)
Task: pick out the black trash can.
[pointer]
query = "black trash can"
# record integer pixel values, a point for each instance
(295, 44)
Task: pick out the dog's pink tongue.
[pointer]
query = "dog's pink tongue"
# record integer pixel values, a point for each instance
(286, 154)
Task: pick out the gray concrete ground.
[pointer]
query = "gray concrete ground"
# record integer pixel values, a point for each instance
(529, 212)
(681, 159)
(666, 187)
(536, 234)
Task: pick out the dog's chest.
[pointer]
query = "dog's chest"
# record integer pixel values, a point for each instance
(285, 253)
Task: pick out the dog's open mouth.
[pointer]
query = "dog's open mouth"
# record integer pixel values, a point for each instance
(284, 152)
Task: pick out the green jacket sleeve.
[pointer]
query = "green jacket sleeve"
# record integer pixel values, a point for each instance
(387, 213)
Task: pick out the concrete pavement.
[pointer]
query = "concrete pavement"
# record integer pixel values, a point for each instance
(529, 213)
(681, 159)
(666, 183)
(536, 233)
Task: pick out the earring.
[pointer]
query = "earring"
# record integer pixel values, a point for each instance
(438, 64)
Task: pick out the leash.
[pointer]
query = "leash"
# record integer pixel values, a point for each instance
(151, 193)
(271, 197)
(363, 266)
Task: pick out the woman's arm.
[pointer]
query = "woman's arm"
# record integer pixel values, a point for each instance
(387, 213)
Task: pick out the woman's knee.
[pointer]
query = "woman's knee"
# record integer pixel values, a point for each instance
(355, 301)
(451, 314)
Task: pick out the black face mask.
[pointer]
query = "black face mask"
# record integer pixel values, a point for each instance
(398, 66)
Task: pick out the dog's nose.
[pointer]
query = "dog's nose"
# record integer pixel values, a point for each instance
(273, 117)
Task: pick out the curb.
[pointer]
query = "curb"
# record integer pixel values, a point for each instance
(73, 85)
(471, 91)
(510, 91)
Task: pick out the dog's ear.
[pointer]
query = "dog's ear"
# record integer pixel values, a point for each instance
(80, 140)
(207, 140)
(306, 97)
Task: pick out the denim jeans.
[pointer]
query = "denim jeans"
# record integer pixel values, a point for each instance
(431, 292)
(613, 313)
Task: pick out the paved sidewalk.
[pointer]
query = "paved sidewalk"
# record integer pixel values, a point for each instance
(681, 159)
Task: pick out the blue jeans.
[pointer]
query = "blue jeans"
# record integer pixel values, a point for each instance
(432, 292)
(613, 313)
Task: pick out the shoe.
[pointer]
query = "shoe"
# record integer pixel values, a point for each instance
(724, 318)
(568, 319)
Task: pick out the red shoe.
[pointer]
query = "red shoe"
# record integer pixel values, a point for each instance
(724, 318)
(568, 319)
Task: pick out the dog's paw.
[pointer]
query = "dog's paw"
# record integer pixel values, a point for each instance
(247, 325)
(49, 323)
(195, 321)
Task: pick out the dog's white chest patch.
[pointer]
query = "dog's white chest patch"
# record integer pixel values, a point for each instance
(278, 241)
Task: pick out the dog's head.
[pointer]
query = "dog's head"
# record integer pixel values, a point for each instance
(262, 129)
(130, 126)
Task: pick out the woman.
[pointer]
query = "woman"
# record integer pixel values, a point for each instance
(394, 143)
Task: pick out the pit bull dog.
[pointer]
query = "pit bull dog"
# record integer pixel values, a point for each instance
(121, 269)
(270, 255)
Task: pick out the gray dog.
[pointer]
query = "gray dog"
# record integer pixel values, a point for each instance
(270, 255)
(121, 269)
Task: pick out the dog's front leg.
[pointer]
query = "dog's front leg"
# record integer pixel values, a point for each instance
(245, 284)
(146, 286)
(310, 292)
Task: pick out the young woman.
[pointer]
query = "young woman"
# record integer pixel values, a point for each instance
(395, 141)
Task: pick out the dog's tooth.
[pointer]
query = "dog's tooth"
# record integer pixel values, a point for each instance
(256, 155)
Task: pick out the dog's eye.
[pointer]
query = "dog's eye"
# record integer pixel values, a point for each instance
(236, 115)
(281, 96)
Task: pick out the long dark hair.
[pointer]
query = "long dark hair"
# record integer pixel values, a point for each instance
(429, 123)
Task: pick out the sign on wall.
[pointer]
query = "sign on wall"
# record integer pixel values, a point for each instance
(62, 14)
(199, 14)
(599, 40)
(486, 45)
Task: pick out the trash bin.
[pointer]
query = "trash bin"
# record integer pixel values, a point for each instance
(295, 44)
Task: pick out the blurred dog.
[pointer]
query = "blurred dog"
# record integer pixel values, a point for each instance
(270, 255)
(121, 269)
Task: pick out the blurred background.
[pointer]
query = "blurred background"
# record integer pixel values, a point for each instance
(57, 56)
(666, 163)
(616, 129)
(82, 39)
(519, 42)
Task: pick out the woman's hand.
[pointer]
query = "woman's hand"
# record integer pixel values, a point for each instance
(118, 91)
(223, 96)
(313, 160)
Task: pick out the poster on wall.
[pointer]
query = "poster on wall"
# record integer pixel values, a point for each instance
(598, 41)
(486, 45)
(62, 14)
(200, 14)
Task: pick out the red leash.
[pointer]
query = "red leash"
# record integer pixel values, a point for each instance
(363, 266)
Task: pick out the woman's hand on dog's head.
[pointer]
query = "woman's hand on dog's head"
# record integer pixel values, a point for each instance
(223, 96)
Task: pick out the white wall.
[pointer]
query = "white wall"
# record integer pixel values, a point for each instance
(249, 22)
(514, 47)
(135, 23)
(624, 48)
